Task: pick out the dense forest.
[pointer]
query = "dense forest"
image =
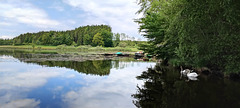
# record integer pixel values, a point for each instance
(86, 35)
(94, 35)
(198, 33)
(6, 41)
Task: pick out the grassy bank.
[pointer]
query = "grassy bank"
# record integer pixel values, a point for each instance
(37, 47)
(64, 48)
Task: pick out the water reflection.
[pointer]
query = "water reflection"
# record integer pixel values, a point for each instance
(98, 67)
(163, 89)
(23, 103)
(93, 67)
(68, 84)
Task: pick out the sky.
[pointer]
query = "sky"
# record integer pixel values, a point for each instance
(22, 16)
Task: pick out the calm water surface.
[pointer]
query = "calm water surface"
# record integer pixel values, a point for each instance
(164, 89)
(107, 84)
(66, 84)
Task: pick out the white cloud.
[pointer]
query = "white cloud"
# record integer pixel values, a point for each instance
(57, 6)
(29, 79)
(6, 37)
(23, 103)
(26, 16)
(117, 13)
(5, 23)
(71, 76)
(25, 13)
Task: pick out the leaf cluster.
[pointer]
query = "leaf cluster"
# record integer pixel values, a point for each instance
(194, 32)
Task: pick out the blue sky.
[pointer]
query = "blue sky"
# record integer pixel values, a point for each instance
(22, 16)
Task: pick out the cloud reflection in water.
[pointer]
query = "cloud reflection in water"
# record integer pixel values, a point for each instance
(17, 79)
(113, 91)
(31, 86)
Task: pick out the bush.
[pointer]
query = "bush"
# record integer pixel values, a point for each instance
(98, 48)
(61, 47)
(73, 44)
(84, 47)
(122, 44)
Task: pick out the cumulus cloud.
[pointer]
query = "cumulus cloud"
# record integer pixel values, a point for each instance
(26, 16)
(117, 13)
(23, 103)
(23, 12)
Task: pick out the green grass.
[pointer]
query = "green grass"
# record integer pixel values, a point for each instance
(64, 48)
(29, 47)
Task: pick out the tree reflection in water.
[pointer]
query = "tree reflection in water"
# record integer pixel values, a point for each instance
(163, 89)
(93, 67)
(98, 67)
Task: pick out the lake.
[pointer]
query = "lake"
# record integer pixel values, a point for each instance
(67, 84)
(35, 80)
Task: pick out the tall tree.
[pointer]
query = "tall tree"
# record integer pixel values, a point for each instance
(177, 29)
(98, 40)
(107, 38)
(87, 39)
(116, 39)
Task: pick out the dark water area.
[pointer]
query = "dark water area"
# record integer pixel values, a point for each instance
(164, 89)
(118, 83)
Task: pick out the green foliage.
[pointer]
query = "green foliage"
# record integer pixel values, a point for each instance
(214, 45)
(88, 67)
(98, 48)
(33, 45)
(98, 40)
(74, 44)
(87, 39)
(61, 47)
(195, 33)
(83, 47)
(82, 36)
(116, 40)
(6, 42)
(107, 38)
(122, 44)
(13, 43)
(68, 39)
(156, 25)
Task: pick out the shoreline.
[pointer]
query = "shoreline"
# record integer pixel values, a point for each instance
(71, 49)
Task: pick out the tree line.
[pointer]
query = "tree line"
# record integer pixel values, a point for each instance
(199, 33)
(6, 41)
(95, 35)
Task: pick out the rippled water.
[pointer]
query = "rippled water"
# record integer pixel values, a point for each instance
(66, 84)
